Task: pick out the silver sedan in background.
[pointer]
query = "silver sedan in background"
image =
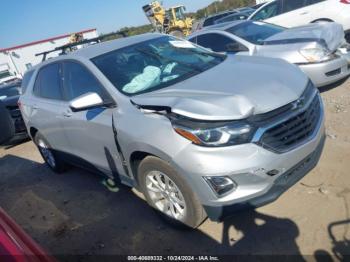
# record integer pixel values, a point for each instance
(320, 50)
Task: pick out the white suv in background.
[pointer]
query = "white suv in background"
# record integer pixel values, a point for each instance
(291, 13)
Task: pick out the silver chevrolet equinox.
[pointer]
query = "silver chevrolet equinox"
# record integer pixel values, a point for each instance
(198, 133)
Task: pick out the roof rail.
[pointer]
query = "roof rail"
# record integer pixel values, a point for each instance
(69, 46)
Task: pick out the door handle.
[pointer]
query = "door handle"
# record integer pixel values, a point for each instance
(304, 13)
(35, 107)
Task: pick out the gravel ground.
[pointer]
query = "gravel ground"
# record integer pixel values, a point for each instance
(74, 214)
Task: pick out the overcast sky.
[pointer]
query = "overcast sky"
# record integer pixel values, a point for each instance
(23, 21)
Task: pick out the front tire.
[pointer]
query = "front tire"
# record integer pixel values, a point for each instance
(167, 192)
(51, 158)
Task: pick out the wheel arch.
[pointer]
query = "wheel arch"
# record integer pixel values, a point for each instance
(32, 132)
(135, 160)
(322, 20)
(140, 153)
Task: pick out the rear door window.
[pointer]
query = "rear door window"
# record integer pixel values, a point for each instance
(268, 11)
(48, 82)
(291, 5)
(215, 42)
(311, 2)
(78, 81)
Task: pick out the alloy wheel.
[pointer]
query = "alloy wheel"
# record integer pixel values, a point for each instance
(165, 195)
(47, 153)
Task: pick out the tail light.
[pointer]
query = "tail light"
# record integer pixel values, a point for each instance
(345, 1)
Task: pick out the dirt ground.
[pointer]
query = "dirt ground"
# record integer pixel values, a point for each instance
(74, 214)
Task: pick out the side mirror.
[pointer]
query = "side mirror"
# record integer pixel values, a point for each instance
(236, 47)
(86, 101)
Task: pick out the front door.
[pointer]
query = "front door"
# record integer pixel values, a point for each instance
(90, 132)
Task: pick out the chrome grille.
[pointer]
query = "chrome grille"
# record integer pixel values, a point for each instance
(295, 130)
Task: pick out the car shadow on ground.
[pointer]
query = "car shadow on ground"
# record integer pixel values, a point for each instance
(333, 85)
(73, 214)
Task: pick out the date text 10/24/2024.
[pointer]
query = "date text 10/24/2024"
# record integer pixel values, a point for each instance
(173, 258)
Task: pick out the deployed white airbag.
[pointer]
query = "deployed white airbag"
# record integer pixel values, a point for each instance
(150, 77)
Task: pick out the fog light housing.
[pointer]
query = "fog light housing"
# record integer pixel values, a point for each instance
(221, 185)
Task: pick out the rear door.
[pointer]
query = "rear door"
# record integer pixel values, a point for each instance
(320, 9)
(47, 105)
(89, 132)
(300, 12)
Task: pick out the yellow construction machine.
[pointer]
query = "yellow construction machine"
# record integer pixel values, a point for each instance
(170, 21)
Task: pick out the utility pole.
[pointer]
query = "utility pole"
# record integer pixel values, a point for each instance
(216, 5)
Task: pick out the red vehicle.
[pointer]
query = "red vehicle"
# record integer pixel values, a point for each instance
(16, 245)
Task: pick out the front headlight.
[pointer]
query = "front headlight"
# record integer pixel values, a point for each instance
(215, 134)
(317, 54)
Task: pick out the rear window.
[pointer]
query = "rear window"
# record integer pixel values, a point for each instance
(234, 17)
(211, 20)
(255, 32)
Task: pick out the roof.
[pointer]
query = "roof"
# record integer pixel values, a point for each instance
(45, 40)
(108, 46)
(220, 13)
(223, 26)
(102, 48)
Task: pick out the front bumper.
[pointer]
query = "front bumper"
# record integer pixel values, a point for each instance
(329, 72)
(280, 185)
(249, 166)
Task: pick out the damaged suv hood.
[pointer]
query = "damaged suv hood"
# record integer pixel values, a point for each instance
(330, 35)
(235, 89)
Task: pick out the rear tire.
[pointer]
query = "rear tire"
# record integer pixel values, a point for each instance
(51, 158)
(6, 124)
(171, 196)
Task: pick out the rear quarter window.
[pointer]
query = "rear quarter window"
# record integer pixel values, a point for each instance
(25, 81)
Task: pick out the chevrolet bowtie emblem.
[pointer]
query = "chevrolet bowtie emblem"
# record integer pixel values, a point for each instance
(298, 104)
